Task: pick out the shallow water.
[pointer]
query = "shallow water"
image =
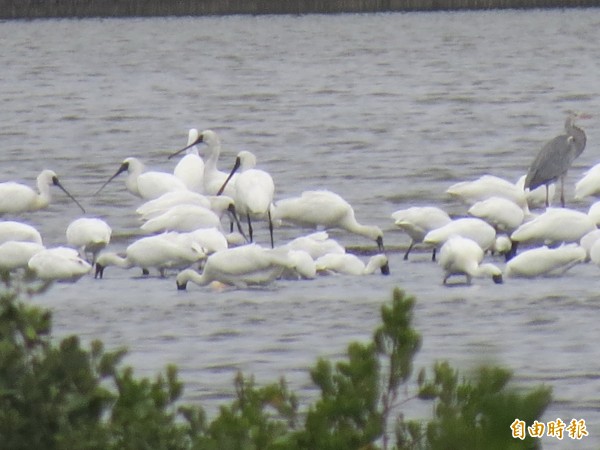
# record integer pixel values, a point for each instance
(388, 110)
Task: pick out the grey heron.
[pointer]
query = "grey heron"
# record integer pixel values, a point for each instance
(556, 156)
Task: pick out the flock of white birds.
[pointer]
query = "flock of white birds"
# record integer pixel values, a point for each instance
(199, 221)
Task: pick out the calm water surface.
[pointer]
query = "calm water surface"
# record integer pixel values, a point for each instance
(388, 110)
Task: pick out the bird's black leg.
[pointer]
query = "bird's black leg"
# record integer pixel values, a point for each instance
(271, 229)
(249, 227)
(412, 244)
(562, 191)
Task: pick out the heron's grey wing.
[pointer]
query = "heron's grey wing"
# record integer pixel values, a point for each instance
(552, 161)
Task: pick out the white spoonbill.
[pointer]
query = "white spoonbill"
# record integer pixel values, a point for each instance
(417, 221)
(211, 240)
(501, 213)
(536, 198)
(18, 231)
(182, 218)
(59, 264)
(463, 256)
(350, 264)
(487, 186)
(589, 184)
(316, 244)
(595, 253)
(544, 261)
(254, 190)
(473, 228)
(213, 177)
(16, 254)
(325, 209)
(17, 198)
(554, 226)
(169, 199)
(145, 184)
(594, 212)
(88, 235)
(588, 240)
(158, 252)
(190, 169)
(239, 266)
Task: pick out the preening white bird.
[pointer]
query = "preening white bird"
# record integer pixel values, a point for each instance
(157, 206)
(350, 264)
(18, 231)
(16, 198)
(417, 221)
(210, 240)
(213, 177)
(242, 266)
(16, 254)
(158, 252)
(463, 256)
(88, 235)
(499, 212)
(145, 184)
(554, 226)
(254, 190)
(473, 228)
(595, 253)
(190, 169)
(594, 212)
(58, 264)
(544, 261)
(182, 218)
(470, 192)
(314, 209)
(589, 184)
(588, 240)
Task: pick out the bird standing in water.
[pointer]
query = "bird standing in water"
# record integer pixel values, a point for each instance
(556, 156)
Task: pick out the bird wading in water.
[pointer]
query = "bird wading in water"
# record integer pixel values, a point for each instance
(556, 156)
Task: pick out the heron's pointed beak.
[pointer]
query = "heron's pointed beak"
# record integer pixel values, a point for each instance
(123, 168)
(61, 187)
(236, 166)
(197, 141)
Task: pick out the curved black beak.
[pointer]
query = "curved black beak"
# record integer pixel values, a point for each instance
(197, 141)
(181, 286)
(385, 269)
(497, 279)
(61, 187)
(123, 168)
(236, 166)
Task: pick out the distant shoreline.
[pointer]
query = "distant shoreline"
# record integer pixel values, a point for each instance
(38, 9)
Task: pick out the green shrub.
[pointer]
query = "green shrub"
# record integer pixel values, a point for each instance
(62, 396)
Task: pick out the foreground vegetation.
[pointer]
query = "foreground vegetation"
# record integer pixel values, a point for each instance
(59, 395)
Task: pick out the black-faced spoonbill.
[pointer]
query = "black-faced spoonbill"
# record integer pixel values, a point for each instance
(160, 252)
(88, 235)
(417, 221)
(473, 228)
(325, 209)
(11, 230)
(190, 169)
(213, 177)
(350, 264)
(589, 184)
(487, 186)
(16, 254)
(17, 198)
(544, 261)
(254, 190)
(242, 266)
(145, 184)
(463, 256)
(556, 156)
(59, 264)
